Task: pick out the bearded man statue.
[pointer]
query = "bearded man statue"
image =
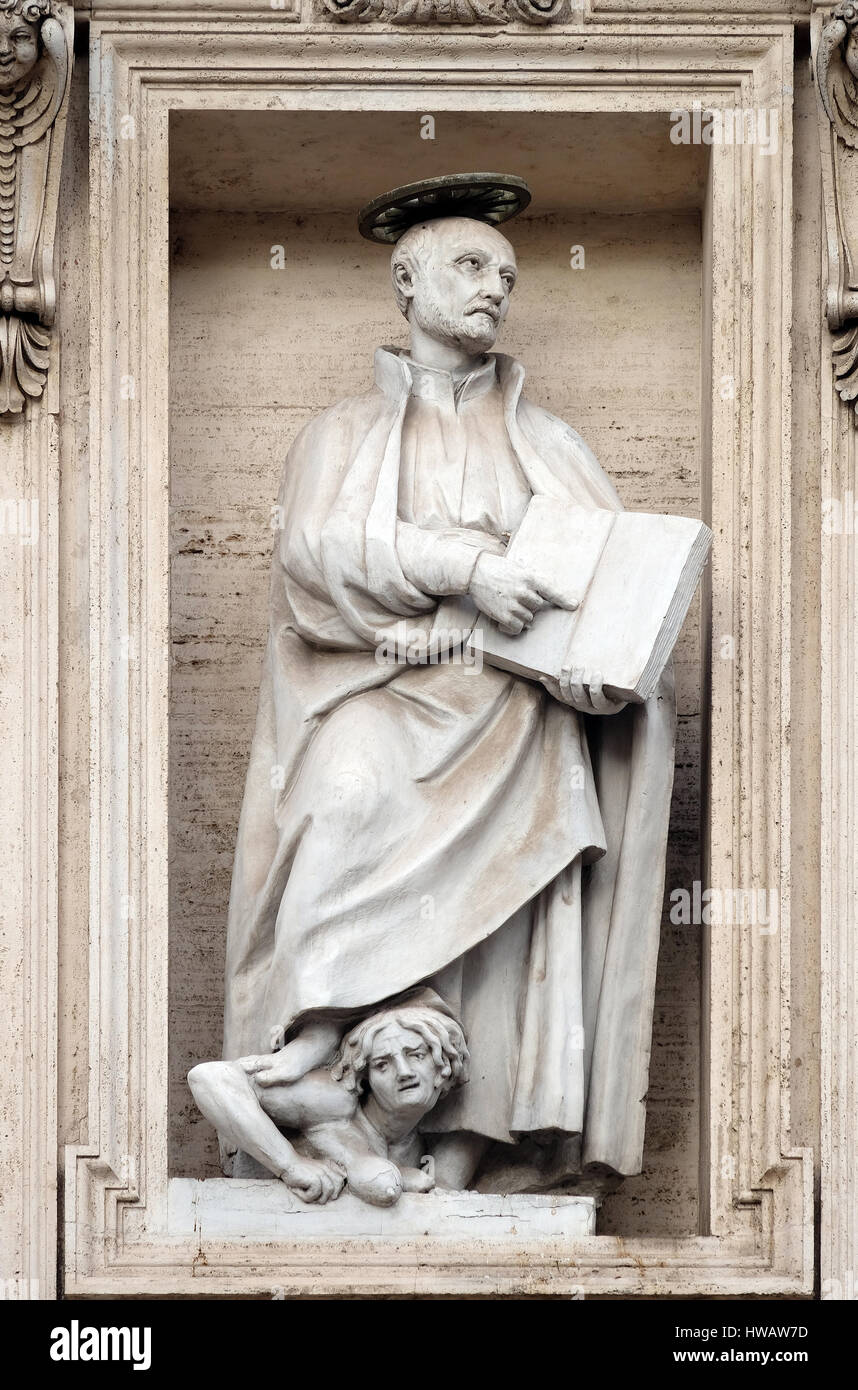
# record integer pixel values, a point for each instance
(494, 839)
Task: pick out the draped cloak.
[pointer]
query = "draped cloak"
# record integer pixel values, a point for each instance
(413, 819)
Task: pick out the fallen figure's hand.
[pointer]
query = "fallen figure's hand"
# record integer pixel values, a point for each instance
(313, 1180)
(420, 1179)
(583, 691)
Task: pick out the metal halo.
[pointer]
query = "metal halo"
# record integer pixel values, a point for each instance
(492, 198)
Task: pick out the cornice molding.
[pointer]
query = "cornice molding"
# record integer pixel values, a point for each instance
(449, 14)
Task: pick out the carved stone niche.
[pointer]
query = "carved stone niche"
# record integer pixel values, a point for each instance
(132, 1225)
(34, 88)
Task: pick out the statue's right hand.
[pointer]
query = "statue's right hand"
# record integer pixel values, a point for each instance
(313, 1180)
(511, 594)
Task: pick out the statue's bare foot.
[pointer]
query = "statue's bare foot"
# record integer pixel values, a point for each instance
(313, 1180)
(312, 1048)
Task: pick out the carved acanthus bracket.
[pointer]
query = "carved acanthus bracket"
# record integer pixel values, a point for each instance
(35, 69)
(446, 11)
(836, 68)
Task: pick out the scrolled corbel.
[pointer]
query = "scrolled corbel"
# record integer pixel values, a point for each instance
(35, 71)
(835, 66)
(837, 70)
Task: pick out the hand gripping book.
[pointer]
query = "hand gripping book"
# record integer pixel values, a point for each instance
(634, 575)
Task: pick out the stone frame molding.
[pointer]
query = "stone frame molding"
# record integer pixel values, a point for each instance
(838, 1257)
(756, 1189)
(30, 448)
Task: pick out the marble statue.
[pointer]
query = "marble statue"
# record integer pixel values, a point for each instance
(433, 824)
(355, 1122)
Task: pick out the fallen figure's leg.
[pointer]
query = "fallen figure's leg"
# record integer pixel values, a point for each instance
(227, 1097)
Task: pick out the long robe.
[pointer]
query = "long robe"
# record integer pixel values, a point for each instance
(421, 820)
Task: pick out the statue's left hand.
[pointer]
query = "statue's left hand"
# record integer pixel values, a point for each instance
(583, 691)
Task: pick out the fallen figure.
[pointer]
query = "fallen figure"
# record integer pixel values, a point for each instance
(355, 1122)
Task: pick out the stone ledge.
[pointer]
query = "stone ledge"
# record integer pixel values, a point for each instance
(218, 1208)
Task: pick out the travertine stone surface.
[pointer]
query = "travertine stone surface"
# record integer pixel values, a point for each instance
(806, 598)
(838, 479)
(74, 625)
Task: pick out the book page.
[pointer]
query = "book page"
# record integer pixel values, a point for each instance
(632, 591)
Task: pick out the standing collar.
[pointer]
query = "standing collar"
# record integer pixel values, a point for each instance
(397, 374)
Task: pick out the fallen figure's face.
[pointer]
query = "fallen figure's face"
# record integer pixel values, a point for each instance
(402, 1075)
(395, 1065)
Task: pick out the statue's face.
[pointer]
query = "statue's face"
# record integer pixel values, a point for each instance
(401, 1073)
(463, 275)
(19, 49)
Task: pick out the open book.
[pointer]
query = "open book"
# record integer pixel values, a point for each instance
(634, 575)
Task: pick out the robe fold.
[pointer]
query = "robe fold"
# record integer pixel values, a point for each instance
(411, 818)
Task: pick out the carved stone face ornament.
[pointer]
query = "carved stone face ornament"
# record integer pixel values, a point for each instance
(19, 50)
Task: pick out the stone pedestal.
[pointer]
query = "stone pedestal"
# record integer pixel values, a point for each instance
(219, 1208)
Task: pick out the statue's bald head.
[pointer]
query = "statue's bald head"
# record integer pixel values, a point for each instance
(454, 276)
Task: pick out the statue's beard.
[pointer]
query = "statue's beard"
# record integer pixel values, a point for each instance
(473, 333)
